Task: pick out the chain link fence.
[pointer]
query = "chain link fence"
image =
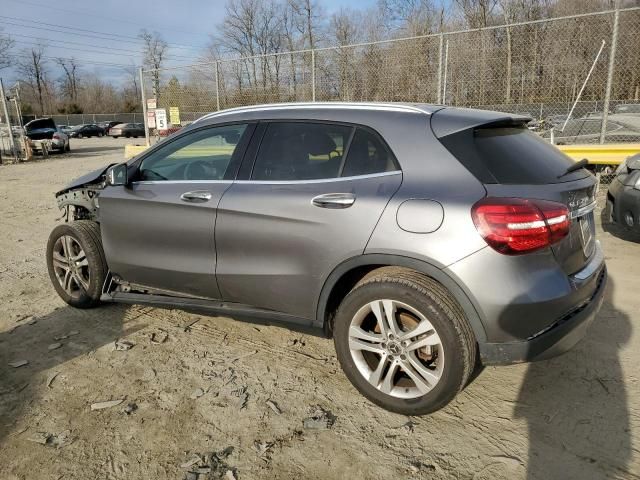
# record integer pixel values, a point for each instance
(545, 69)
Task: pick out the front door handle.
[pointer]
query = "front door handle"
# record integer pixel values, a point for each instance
(334, 200)
(197, 196)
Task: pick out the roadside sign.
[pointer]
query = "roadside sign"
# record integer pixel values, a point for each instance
(151, 119)
(161, 119)
(174, 115)
(151, 103)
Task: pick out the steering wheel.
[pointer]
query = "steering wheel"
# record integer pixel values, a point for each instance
(198, 170)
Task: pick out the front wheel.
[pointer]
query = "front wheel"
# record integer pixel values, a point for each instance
(404, 342)
(100, 134)
(80, 135)
(76, 263)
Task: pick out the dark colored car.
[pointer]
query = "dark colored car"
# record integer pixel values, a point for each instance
(127, 130)
(89, 130)
(46, 129)
(623, 197)
(419, 237)
(106, 126)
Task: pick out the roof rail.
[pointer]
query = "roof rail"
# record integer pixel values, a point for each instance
(393, 107)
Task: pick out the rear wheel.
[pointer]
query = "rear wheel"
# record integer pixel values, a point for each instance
(127, 135)
(76, 263)
(403, 341)
(80, 135)
(100, 134)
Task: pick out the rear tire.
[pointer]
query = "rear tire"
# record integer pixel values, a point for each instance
(418, 380)
(76, 263)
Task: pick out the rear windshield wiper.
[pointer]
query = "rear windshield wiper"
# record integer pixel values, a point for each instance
(576, 166)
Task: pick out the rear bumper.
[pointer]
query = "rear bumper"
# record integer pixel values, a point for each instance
(623, 205)
(561, 336)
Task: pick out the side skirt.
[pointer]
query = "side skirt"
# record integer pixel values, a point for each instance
(235, 311)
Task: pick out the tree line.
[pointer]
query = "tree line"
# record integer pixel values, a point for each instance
(523, 64)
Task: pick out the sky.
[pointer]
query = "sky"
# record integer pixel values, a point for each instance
(184, 24)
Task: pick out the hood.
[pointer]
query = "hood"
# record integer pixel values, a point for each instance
(88, 178)
(40, 123)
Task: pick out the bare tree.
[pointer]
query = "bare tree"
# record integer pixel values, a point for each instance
(477, 13)
(155, 53)
(6, 44)
(308, 18)
(32, 67)
(69, 81)
(411, 17)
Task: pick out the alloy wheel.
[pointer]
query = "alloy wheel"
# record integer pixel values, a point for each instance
(396, 348)
(71, 266)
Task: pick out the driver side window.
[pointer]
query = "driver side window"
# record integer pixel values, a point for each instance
(202, 155)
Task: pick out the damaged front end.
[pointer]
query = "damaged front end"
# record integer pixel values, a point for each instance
(79, 199)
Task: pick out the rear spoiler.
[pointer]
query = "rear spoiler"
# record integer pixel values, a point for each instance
(453, 120)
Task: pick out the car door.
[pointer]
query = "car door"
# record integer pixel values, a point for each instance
(158, 231)
(314, 195)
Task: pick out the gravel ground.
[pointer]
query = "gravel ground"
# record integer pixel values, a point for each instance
(223, 395)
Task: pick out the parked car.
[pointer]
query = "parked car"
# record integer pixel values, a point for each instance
(418, 237)
(46, 129)
(633, 108)
(88, 130)
(587, 130)
(106, 126)
(127, 130)
(623, 197)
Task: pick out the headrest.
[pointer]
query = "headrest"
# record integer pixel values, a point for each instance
(318, 143)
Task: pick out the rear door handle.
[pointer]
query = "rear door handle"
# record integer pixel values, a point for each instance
(197, 196)
(334, 200)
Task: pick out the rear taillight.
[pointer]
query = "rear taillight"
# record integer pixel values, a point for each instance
(513, 226)
(56, 136)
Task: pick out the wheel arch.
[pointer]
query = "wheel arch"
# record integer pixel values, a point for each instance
(347, 274)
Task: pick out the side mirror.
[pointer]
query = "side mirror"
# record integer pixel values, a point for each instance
(117, 175)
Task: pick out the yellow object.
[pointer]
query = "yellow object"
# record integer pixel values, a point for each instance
(131, 151)
(174, 116)
(611, 154)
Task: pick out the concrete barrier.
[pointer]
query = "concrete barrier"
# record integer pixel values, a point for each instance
(611, 154)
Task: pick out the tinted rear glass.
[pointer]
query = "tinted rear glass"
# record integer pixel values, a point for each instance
(510, 155)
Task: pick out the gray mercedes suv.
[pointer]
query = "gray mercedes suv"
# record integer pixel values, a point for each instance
(425, 240)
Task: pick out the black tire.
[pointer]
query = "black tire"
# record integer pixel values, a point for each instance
(100, 134)
(87, 234)
(431, 299)
(127, 135)
(79, 135)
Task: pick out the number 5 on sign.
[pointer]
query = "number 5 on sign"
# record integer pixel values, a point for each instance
(161, 119)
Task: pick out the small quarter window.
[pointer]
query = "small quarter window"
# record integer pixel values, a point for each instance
(367, 155)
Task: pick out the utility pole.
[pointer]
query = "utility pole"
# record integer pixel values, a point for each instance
(6, 114)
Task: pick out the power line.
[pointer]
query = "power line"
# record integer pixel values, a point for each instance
(103, 51)
(102, 17)
(77, 29)
(91, 62)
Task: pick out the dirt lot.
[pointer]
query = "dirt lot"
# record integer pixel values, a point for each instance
(205, 388)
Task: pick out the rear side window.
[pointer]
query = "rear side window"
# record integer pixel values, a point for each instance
(510, 155)
(301, 151)
(367, 155)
